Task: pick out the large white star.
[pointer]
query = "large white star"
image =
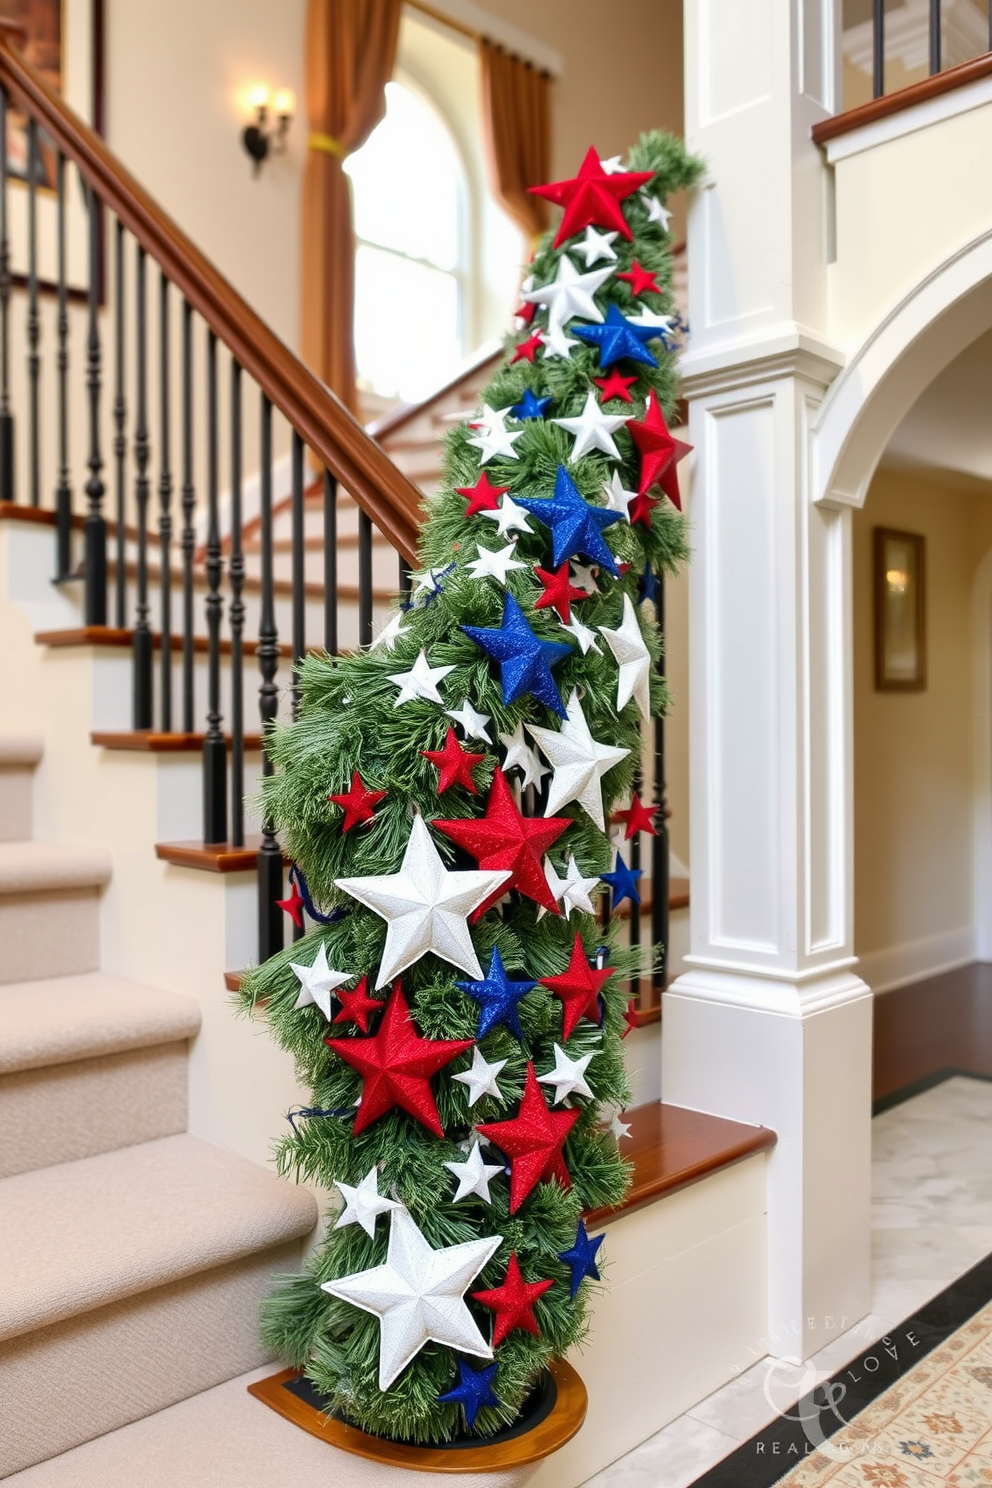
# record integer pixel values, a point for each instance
(389, 634)
(509, 517)
(363, 1202)
(493, 438)
(627, 645)
(568, 1075)
(520, 756)
(317, 982)
(494, 564)
(579, 762)
(474, 1176)
(570, 293)
(418, 1295)
(481, 1078)
(425, 907)
(420, 681)
(592, 430)
(573, 890)
(596, 245)
(474, 724)
(617, 498)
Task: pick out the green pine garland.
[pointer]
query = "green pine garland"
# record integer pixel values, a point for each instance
(348, 721)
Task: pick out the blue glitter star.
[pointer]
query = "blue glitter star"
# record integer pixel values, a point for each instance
(576, 525)
(473, 1390)
(619, 337)
(647, 584)
(623, 882)
(497, 997)
(530, 406)
(582, 1257)
(525, 662)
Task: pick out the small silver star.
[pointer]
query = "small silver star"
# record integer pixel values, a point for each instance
(584, 577)
(585, 637)
(619, 1128)
(568, 1075)
(557, 344)
(421, 681)
(389, 634)
(363, 1203)
(573, 890)
(481, 1078)
(473, 723)
(493, 438)
(317, 982)
(613, 165)
(656, 212)
(428, 582)
(663, 324)
(633, 659)
(595, 246)
(493, 564)
(520, 756)
(474, 1176)
(509, 517)
(617, 498)
(592, 429)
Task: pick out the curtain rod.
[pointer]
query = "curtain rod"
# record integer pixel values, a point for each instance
(477, 34)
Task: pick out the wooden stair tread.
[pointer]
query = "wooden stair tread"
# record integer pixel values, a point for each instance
(149, 741)
(115, 636)
(213, 857)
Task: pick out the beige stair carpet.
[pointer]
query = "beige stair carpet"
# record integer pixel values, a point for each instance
(49, 911)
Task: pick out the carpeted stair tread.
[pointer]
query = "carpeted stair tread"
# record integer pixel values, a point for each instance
(58, 1020)
(79, 1235)
(221, 1438)
(44, 867)
(20, 750)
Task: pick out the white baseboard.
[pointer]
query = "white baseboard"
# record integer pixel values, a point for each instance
(897, 966)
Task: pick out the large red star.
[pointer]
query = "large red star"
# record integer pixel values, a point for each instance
(482, 496)
(615, 385)
(455, 764)
(640, 280)
(660, 453)
(396, 1065)
(638, 817)
(293, 906)
(357, 802)
(532, 1141)
(502, 838)
(526, 351)
(559, 594)
(513, 1302)
(356, 1005)
(578, 987)
(592, 198)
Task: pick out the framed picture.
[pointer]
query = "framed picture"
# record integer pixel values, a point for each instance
(900, 611)
(65, 43)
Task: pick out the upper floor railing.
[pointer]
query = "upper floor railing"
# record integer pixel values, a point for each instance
(898, 46)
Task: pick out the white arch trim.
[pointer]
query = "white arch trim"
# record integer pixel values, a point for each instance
(915, 341)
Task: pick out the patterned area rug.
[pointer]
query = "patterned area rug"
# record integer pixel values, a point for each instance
(913, 1411)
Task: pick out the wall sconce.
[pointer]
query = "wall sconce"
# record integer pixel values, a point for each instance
(267, 135)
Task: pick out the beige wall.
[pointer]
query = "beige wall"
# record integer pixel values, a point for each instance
(913, 759)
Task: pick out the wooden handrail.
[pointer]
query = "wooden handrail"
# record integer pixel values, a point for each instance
(904, 98)
(318, 416)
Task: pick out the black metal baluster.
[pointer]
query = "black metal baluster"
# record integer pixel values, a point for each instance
(299, 569)
(270, 855)
(6, 417)
(330, 563)
(142, 644)
(214, 747)
(406, 582)
(95, 529)
(659, 844)
(120, 437)
(33, 323)
(164, 512)
(635, 909)
(236, 570)
(189, 508)
(364, 579)
(878, 48)
(934, 36)
(63, 491)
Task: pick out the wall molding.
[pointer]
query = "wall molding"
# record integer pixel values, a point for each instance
(898, 966)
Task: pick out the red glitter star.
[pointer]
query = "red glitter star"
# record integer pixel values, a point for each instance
(502, 838)
(639, 818)
(660, 453)
(526, 351)
(455, 764)
(356, 1005)
(293, 905)
(558, 594)
(578, 987)
(357, 803)
(640, 280)
(615, 385)
(533, 1142)
(482, 496)
(630, 1018)
(513, 1302)
(592, 198)
(396, 1065)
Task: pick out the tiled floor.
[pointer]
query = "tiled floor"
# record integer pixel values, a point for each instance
(931, 1221)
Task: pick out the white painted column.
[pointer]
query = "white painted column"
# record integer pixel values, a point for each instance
(770, 1024)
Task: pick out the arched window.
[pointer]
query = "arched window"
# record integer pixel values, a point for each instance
(409, 188)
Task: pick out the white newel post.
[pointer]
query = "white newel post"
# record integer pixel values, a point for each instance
(770, 1024)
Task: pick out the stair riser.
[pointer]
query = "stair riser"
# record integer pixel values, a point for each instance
(67, 1111)
(49, 935)
(15, 804)
(74, 1381)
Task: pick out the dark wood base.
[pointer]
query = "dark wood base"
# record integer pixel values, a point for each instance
(944, 1022)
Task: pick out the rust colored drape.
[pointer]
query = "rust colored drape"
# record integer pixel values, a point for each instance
(351, 48)
(516, 117)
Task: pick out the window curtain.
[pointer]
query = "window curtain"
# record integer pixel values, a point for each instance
(350, 52)
(516, 116)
